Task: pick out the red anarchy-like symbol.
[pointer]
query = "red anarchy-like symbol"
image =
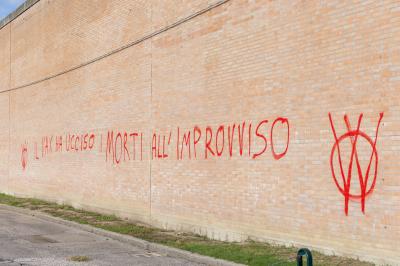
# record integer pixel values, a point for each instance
(353, 136)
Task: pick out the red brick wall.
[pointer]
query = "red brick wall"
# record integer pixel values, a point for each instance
(238, 64)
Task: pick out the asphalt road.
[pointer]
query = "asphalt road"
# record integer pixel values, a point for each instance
(28, 240)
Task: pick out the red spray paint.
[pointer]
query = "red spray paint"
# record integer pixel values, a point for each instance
(24, 155)
(353, 136)
(285, 121)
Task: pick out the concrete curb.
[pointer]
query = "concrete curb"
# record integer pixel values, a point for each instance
(154, 247)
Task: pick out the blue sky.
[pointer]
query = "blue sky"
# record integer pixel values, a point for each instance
(8, 6)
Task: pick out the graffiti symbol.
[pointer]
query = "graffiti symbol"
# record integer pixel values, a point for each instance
(353, 135)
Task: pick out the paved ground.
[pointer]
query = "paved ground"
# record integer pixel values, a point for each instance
(27, 240)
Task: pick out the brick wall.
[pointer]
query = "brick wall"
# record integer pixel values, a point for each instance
(187, 127)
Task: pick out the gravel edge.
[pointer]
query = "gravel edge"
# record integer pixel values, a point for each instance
(154, 247)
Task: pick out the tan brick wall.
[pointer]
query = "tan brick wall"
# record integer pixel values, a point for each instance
(240, 62)
(4, 105)
(5, 58)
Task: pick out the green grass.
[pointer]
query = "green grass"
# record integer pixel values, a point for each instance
(249, 252)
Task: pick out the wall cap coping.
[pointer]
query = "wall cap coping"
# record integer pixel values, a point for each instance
(13, 15)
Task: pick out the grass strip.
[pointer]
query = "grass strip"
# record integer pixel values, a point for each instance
(248, 252)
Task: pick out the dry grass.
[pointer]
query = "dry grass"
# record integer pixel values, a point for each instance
(249, 252)
(79, 258)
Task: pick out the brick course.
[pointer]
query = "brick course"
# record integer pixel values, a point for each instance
(241, 61)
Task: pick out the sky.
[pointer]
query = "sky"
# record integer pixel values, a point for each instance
(8, 6)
